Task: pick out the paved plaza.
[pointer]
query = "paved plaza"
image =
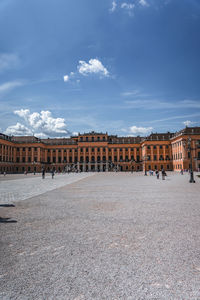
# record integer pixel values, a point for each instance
(104, 236)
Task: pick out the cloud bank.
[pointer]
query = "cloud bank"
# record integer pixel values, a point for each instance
(39, 124)
(140, 130)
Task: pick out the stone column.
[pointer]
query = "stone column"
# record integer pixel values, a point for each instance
(20, 154)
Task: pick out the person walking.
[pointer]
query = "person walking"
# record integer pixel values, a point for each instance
(157, 174)
(163, 174)
(43, 173)
(52, 173)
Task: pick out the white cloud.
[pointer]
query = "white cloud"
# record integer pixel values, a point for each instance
(40, 124)
(93, 67)
(8, 86)
(8, 61)
(140, 130)
(143, 2)
(66, 78)
(128, 7)
(18, 129)
(114, 6)
(188, 123)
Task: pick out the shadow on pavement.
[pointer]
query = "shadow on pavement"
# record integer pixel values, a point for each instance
(7, 220)
(7, 205)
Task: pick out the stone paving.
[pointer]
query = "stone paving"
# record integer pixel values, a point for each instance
(109, 236)
(23, 187)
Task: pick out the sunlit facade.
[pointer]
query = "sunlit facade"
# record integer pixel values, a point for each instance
(100, 152)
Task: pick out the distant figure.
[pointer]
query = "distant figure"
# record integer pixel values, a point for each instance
(34, 173)
(181, 171)
(52, 173)
(157, 174)
(4, 173)
(25, 172)
(43, 173)
(163, 174)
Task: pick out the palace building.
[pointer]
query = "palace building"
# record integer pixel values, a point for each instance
(101, 152)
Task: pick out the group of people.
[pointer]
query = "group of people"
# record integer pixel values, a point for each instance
(52, 173)
(163, 173)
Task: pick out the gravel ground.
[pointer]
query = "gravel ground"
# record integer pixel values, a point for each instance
(109, 236)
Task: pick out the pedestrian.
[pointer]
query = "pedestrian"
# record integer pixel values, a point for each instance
(157, 174)
(163, 174)
(4, 173)
(52, 173)
(43, 173)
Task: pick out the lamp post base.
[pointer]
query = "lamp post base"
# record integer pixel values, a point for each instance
(191, 177)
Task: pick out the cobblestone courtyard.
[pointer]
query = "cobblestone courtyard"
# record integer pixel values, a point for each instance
(100, 236)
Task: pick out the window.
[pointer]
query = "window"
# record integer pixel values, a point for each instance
(23, 159)
(29, 159)
(59, 150)
(148, 147)
(154, 147)
(23, 148)
(104, 150)
(155, 157)
(160, 146)
(86, 149)
(35, 148)
(103, 138)
(92, 139)
(167, 146)
(29, 149)
(17, 149)
(138, 149)
(86, 139)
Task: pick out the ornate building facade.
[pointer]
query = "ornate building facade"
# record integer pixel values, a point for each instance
(101, 152)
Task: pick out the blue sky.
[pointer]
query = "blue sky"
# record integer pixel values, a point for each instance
(126, 67)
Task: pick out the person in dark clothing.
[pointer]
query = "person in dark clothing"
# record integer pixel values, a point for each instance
(43, 173)
(163, 174)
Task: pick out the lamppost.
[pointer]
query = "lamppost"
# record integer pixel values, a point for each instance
(187, 144)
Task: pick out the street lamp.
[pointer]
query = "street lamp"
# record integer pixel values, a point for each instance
(187, 144)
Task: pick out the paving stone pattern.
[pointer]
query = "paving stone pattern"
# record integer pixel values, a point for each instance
(26, 187)
(110, 236)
